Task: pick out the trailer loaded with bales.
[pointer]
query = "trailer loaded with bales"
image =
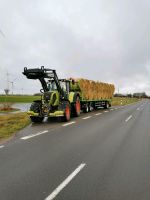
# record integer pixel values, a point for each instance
(66, 97)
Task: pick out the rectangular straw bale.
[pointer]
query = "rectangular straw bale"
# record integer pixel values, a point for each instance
(92, 90)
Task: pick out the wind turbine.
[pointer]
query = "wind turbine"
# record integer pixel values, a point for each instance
(1, 32)
(12, 85)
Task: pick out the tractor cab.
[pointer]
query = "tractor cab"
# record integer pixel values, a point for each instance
(64, 84)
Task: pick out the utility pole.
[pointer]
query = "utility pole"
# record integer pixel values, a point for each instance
(7, 80)
(7, 84)
(118, 90)
(1, 32)
(12, 86)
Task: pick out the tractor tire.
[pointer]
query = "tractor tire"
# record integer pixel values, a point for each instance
(36, 107)
(36, 119)
(77, 107)
(67, 115)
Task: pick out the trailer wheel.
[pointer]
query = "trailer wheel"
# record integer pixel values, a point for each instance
(77, 107)
(67, 112)
(106, 106)
(36, 119)
(86, 108)
(90, 107)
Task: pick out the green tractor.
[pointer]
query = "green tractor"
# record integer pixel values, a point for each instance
(58, 99)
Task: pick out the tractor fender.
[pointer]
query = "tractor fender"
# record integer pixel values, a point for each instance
(73, 96)
(54, 100)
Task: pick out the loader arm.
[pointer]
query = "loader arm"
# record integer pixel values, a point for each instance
(41, 74)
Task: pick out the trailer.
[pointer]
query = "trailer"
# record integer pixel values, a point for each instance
(61, 98)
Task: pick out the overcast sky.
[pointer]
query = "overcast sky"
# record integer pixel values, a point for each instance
(106, 40)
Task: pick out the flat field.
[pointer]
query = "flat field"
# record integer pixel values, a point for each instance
(18, 98)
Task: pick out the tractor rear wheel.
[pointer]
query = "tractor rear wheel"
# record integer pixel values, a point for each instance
(77, 107)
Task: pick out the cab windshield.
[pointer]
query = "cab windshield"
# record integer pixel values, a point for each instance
(51, 86)
(63, 85)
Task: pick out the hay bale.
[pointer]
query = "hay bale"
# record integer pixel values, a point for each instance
(92, 90)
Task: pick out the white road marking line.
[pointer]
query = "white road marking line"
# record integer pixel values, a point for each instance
(106, 111)
(116, 108)
(67, 124)
(98, 114)
(34, 135)
(87, 117)
(128, 118)
(65, 182)
(111, 109)
(2, 146)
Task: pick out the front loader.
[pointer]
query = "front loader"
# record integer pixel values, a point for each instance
(57, 98)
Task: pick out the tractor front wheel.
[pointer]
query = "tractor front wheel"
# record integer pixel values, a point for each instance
(36, 108)
(67, 115)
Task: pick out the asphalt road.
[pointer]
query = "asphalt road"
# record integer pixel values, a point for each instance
(102, 155)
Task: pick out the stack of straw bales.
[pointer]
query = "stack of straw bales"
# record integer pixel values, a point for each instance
(92, 90)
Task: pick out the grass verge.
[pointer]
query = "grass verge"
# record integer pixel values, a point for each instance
(10, 124)
(9, 111)
(117, 101)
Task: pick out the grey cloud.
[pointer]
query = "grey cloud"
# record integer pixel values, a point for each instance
(100, 40)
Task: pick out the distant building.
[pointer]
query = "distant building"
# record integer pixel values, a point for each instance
(140, 95)
(119, 95)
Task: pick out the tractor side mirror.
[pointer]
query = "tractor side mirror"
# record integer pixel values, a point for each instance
(25, 69)
(41, 90)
